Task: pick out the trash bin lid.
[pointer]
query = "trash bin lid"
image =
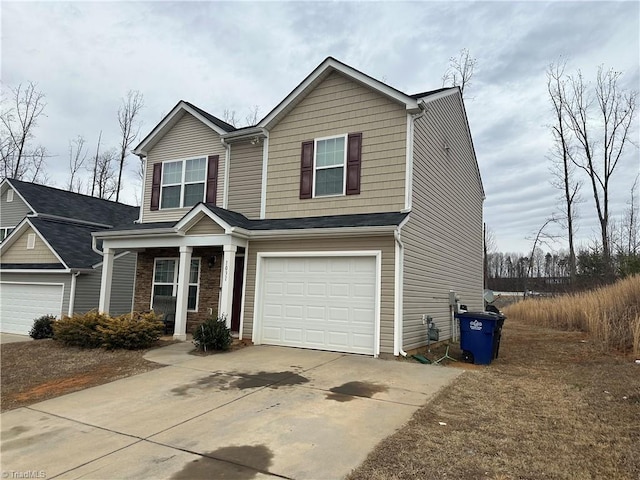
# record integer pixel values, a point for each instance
(481, 315)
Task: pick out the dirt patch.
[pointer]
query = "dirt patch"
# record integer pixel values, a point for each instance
(43, 369)
(551, 406)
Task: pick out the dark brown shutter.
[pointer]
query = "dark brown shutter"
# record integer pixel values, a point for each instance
(306, 170)
(212, 179)
(155, 186)
(354, 154)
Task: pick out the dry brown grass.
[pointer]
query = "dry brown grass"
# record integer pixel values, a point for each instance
(551, 406)
(610, 314)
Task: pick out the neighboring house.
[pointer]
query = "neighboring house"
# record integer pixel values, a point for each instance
(47, 262)
(339, 222)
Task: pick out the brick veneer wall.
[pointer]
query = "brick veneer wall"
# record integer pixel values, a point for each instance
(209, 281)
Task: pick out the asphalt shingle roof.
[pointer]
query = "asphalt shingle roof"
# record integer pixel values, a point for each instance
(53, 201)
(70, 240)
(213, 119)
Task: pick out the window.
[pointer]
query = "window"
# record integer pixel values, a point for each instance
(183, 183)
(9, 196)
(31, 241)
(165, 280)
(329, 164)
(4, 232)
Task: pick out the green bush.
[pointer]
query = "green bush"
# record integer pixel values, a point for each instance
(42, 327)
(93, 329)
(213, 334)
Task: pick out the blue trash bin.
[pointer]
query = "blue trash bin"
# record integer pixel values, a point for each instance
(479, 336)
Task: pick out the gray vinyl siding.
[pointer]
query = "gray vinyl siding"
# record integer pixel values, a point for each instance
(11, 213)
(245, 179)
(188, 138)
(443, 236)
(385, 244)
(88, 287)
(60, 278)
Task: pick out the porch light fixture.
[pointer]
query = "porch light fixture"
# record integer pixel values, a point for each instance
(211, 262)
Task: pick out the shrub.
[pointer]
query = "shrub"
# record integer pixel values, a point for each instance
(93, 329)
(131, 331)
(213, 334)
(42, 327)
(80, 330)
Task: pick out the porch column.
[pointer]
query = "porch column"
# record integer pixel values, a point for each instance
(107, 277)
(182, 295)
(227, 273)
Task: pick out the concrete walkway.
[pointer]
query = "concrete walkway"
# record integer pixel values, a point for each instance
(259, 412)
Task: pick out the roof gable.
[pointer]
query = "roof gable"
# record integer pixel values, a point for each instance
(18, 240)
(173, 117)
(323, 70)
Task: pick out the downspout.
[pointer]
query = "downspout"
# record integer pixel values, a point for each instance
(72, 294)
(94, 246)
(143, 159)
(399, 333)
(227, 162)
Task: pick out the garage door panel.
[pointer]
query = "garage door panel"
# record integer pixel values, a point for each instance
(22, 303)
(326, 303)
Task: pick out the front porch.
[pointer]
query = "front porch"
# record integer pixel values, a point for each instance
(204, 271)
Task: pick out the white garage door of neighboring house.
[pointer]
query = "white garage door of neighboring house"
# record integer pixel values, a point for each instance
(21, 303)
(325, 303)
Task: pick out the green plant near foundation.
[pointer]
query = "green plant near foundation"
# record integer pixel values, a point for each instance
(213, 334)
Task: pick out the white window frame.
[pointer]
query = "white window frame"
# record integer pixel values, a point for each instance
(9, 196)
(5, 232)
(31, 241)
(183, 183)
(344, 166)
(174, 284)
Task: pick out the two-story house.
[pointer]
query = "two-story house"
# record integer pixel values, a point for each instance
(48, 265)
(339, 222)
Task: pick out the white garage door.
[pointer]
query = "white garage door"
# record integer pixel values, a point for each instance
(21, 303)
(325, 303)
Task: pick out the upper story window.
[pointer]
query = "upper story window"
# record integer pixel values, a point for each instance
(329, 163)
(331, 166)
(4, 232)
(183, 183)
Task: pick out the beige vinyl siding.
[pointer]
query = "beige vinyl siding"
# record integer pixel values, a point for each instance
(245, 179)
(88, 287)
(339, 106)
(206, 226)
(12, 213)
(443, 236)
(188, 138)
(18, 253)
(46, 278)
(381, 243)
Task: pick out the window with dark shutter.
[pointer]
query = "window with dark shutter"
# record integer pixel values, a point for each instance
(212, 179)
(354, 154)
(306, 170)
(155, 186)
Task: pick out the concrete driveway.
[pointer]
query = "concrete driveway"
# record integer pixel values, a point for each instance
(259, 412)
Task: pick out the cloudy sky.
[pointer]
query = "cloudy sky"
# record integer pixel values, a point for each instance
(85, 56)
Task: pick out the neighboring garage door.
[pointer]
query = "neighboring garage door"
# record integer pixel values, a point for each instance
(325, 303)
(21, 303)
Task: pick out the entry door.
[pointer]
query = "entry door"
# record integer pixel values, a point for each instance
(238, 280)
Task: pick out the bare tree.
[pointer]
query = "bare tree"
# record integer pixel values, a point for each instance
(563, 170)
(77, 159)
(460, 70)
(22, 108)
(129, 128)
(95, 167)
(252, 117)
(106, 184)
(229, 116)
(607, 130)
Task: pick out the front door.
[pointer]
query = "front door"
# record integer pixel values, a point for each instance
(238, 279)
